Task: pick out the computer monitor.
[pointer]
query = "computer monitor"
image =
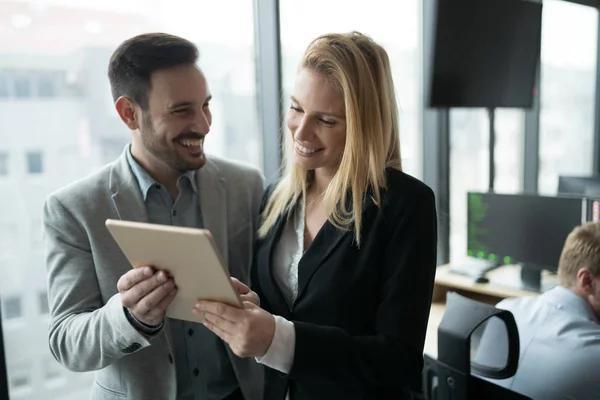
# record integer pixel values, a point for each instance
(581, 186)
(485, 53)
(520, 229)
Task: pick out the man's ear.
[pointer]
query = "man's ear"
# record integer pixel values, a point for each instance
(126, 109)
(585, 281)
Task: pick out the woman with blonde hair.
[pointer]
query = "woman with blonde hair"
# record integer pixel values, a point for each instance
(344, 268)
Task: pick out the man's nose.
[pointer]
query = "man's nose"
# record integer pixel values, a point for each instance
(201, 123)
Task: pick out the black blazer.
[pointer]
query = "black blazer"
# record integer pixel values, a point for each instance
(361, 314)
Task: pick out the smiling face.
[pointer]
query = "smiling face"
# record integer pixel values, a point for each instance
(317, 122)
(178, 118)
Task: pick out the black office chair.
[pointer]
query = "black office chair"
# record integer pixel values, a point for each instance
(449, 377)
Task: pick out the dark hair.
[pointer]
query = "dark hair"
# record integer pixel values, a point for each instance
(133, 62)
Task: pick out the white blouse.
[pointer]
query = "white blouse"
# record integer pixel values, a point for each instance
(286, 257)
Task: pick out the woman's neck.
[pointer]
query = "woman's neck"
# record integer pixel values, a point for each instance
(321, 181)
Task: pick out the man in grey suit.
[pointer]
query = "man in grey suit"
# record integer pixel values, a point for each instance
(108, 317)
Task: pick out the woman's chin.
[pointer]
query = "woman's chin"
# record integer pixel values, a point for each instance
(303, 165)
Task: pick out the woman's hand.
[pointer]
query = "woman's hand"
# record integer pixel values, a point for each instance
(245, 293)
(248, 331)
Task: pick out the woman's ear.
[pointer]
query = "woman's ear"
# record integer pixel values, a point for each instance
(127, 111)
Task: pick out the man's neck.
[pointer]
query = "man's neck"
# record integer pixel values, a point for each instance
(157, 169)
(581, 293)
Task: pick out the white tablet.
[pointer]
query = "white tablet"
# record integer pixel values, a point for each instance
(189, 255)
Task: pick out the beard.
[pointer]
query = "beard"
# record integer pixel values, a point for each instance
(158, 147)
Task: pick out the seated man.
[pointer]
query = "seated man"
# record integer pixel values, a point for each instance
(558, 330)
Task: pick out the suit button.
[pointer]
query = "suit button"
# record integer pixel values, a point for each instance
(170, 358)
(190, 331)
(196, 372)
(133, 347)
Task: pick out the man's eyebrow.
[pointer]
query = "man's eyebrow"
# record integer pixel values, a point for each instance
(180, 105)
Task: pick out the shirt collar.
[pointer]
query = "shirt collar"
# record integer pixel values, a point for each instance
(566, 299)
(146, 182)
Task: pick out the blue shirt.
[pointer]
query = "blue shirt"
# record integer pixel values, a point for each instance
(202, 366)
(559, 338)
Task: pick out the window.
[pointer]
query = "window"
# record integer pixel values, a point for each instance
(35, 234)
(46, 85)
(70, 133)
(19, 381)
(12, 307)
(393, 24)
(3, 163)
(22, 85)
(43, 302)
(52, 369)
(469, 158)
(567, 96)
(34, 162)
(19, 378)
(8, 237)
(4, 89)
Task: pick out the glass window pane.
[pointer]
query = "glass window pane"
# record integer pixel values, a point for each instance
(22, 86)
(3, 163)
(46, 84)
(568, 88)
(43, 302)
(469, 163)
(4, 82)
(11, 307)
(393, 24)
(8, 235)
(35, 234)
(19, 380)
(508, 152)
(52, 369)
(34, 162)
(59, 52)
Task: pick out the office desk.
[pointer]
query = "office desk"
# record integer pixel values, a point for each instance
(435, 317)
(503, 283)
(491, 293)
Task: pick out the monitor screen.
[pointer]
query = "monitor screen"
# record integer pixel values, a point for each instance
(579, 185)
(525, 229)
(485, 53)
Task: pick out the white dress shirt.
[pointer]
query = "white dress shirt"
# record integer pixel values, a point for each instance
(286, 257)
(559, 346)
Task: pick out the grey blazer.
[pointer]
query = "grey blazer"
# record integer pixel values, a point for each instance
(88, 327)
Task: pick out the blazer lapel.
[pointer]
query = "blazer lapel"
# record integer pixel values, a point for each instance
(213, 205)
(326, 241)
(266, 269)
(125, 192)
(321, 247)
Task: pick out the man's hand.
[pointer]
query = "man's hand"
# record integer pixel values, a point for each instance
(245, 293)
(147, 294)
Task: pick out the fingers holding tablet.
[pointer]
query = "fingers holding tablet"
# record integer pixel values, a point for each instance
(147, 293)
(244, 291)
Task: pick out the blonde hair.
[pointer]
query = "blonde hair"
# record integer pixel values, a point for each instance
(360, 69)
(581, 250)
